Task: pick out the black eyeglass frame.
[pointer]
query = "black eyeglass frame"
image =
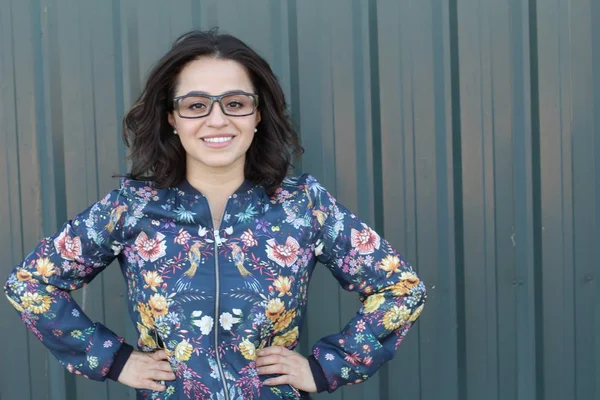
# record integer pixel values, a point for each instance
(214, 99)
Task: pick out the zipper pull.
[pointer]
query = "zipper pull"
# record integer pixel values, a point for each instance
(217, 237)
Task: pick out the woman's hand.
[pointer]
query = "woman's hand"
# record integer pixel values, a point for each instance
(293, 368)
(142, 370)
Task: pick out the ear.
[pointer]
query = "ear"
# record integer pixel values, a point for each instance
(258, 117)
(171, 120)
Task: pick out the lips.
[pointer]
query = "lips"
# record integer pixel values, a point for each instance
(219, 141)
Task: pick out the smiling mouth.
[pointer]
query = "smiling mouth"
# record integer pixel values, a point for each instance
(218, 139)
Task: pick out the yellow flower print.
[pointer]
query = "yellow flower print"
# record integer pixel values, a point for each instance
(248, 349)
(76, 334)
(395, 317)
(416, 313)
(36, 303)
(283, 284)
(44, 267)
(390, 264)
(145, 338)
(23, 275)
(50, 288)
(183, 351)
(153, 279)
(274, 309)
(408, 280)
(284, 321)
(16, 305)
(373, 302)
(146, 315)
(287, 338)
(158, 305)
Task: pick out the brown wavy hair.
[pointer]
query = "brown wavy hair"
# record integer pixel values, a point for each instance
(158, 155)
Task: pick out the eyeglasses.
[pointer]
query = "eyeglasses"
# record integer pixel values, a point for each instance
(198, 105)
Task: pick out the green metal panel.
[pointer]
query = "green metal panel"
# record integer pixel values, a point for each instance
(464, 131)
(497, 199)
(569, 90)
(416, 157)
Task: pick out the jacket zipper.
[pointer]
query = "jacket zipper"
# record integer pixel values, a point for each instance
(218, 296)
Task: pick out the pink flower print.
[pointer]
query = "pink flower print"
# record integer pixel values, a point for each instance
(248, 239)
(151, 249)
(365, 241)
(182, 237)
(69, 247)
(283, 254)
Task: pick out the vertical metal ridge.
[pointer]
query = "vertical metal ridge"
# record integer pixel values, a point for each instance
(133, 54)
(292, 17)
(595, 15)
(55, 126)
(458, 202)
(28, 340)
(525, 313)
(196, 10)
(376, 116)
(442, 101)
(536, 198)
(118, 74)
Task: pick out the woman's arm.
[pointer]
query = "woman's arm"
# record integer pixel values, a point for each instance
(392, 295)
(40, 287)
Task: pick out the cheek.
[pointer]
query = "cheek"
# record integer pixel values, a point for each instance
(187, 135)
(247, 129)
(190, 127)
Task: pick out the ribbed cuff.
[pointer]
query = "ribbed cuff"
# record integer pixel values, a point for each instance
(318, 374)
(119, 362)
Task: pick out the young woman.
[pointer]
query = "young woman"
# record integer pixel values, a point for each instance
(217, 246)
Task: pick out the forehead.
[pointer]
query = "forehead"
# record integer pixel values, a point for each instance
(213, 76)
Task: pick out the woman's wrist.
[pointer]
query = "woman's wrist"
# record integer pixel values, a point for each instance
(119, 361)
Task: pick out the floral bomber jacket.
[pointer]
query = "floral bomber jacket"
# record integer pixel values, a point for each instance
(212, 298)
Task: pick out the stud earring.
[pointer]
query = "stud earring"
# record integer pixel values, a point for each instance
(255, 130)
(175, 131)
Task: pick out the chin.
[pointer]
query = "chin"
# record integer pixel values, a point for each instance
(219, 163)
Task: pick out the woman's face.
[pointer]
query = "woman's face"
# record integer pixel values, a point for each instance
(216, 142)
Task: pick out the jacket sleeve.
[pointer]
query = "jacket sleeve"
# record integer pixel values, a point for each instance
(392, 295)
(40, 288)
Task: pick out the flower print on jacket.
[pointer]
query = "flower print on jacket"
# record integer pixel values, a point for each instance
(69, 247)
(151, 249)
(284, 254)
(366, 241)
(213, 298)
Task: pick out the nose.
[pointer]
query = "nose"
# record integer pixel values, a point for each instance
(216, 117)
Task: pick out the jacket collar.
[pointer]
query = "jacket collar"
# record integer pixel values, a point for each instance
(187, 189)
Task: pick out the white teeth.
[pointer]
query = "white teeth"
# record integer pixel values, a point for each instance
(218, 139)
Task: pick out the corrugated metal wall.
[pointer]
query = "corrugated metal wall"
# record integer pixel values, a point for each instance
(464, 130)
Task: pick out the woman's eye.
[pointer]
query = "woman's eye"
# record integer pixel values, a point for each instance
(197, 106)
(234, 104)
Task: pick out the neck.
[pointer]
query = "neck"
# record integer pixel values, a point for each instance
(216, 186)
(215, 183)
